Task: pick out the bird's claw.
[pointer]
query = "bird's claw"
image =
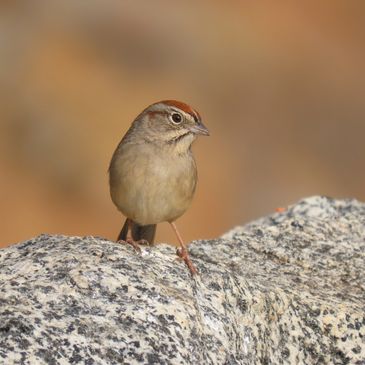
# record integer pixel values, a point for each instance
(131, 242)
(184, 255)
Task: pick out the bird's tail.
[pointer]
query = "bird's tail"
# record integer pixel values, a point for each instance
(138, 232)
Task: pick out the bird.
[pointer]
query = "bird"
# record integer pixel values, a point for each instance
(153, 173)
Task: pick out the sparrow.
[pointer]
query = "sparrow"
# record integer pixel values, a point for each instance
(153, 174)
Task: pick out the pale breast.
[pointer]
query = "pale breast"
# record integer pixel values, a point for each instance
(151, 187)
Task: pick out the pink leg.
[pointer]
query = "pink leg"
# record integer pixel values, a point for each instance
(183, 251)
(129, 238)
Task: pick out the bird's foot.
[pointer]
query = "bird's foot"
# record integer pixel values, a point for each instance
(143, 242)
(134, 244)
(183, 254)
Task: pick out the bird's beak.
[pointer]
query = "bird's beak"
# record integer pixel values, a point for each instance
(199, 129)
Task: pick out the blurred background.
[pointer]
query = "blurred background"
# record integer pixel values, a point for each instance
(280, 85)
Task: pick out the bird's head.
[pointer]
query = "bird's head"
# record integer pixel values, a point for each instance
(171, 122)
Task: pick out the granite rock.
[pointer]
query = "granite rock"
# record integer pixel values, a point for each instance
(286, 289)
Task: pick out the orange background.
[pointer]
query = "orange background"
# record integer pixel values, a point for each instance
(280, 85)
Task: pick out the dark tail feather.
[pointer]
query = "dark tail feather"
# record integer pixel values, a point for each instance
(138, 232)
(144, 232)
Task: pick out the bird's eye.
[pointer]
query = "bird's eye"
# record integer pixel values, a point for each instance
(176, 118)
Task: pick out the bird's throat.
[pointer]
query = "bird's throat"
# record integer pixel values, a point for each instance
(179, 138)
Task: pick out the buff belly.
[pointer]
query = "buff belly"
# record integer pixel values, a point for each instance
(151, 191)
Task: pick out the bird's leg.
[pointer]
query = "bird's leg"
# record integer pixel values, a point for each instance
(129, 239)
(183, 251)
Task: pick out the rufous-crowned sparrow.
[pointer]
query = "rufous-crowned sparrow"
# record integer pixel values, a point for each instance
(153, 174)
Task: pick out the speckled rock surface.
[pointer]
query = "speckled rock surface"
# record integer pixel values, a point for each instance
(286, 289)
